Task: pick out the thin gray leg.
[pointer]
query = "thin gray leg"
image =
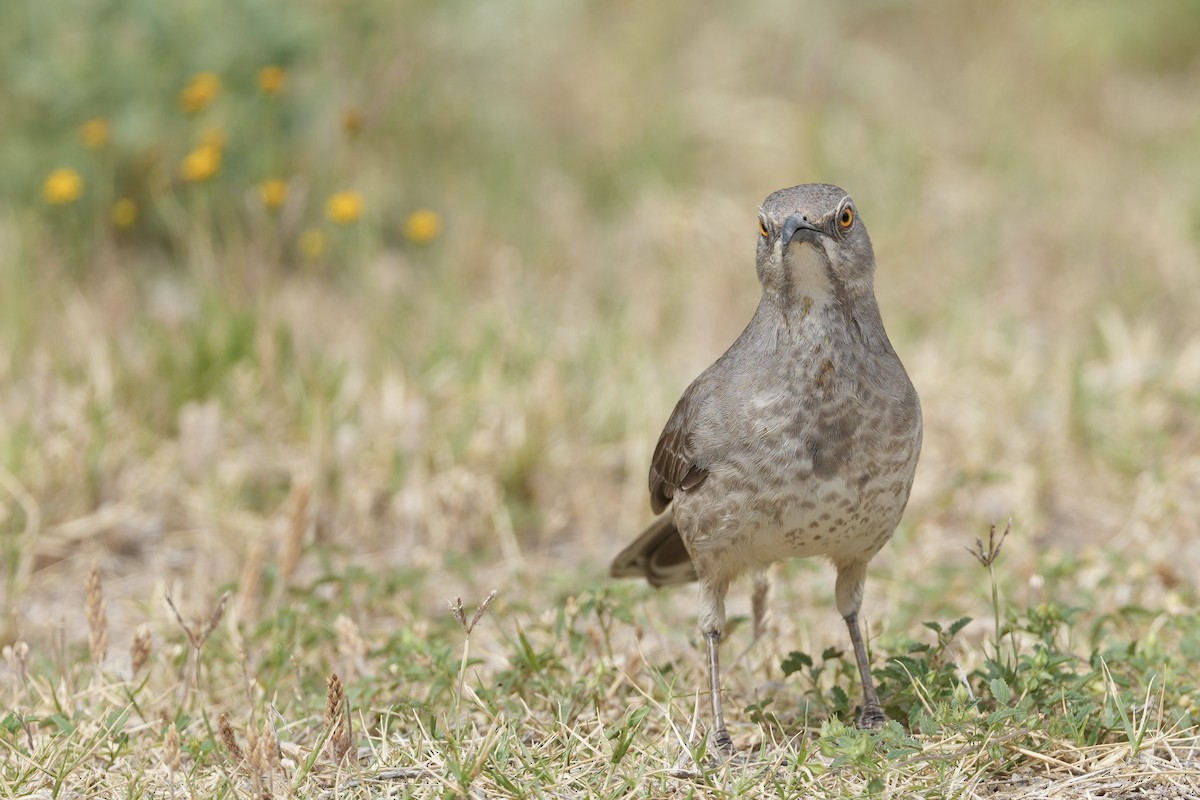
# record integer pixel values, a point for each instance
(724, 742)
(872, 715)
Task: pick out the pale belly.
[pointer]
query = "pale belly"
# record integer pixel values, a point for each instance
(750, 527)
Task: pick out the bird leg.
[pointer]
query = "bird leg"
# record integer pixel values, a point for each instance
(849, 591)
(712, 622)
(872, 715)
(724, 742)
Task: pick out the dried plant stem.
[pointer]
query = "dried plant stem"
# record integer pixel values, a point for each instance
(97, 617)
(171, 754)
(197, 635)
(987, 557)
(337, 720)
(297, 529)
(456, 611)
(229, 739)
(139, 650)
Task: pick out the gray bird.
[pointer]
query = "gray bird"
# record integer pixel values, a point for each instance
(801, 440)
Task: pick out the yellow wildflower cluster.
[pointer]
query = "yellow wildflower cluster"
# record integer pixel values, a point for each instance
(273, 193)
(201, 163)
(422, 226)
(344, 207)
(94, 133)
(124, 213)
(62, 186)
(271, 79)
(206, 160)
(200, 92)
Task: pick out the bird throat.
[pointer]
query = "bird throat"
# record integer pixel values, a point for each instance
(806, 281)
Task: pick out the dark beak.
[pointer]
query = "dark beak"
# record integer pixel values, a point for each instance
(798, 228)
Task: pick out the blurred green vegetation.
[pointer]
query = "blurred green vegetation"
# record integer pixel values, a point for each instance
(532, 215)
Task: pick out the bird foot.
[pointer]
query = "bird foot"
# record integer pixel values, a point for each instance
(724, 743)
(872, 718)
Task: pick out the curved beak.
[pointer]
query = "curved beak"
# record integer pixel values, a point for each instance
(798, 228)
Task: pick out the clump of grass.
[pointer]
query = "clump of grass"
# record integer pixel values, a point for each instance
(262, 761)
(549, 704)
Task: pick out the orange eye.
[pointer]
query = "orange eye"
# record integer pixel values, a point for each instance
(846, 218)
(762, 227)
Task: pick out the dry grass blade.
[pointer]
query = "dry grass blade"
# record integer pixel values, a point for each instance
(196, 635)
(171, 754)
(97, 617)
(229, 739)
(139, 649)
(259, 750)
(456, 611)
(459, 612)
(350, 646)
(17, 657)
(987, 556)
(479, 612)
(297, 529)
(214, 618)
(337, 720)
(250, 583)
(192, 634)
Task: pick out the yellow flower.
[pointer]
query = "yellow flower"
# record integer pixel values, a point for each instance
(271, 79)
(94, 133)
(62, 186)
(124, 213)
(273, 192)
(344, 207)
(201, 164)
(423, 226)
(312, 243)
(200, 92)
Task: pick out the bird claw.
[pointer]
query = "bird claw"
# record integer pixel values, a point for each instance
(872, 718)
(724, 743)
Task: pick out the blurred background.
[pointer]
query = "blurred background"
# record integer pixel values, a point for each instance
(295, 288)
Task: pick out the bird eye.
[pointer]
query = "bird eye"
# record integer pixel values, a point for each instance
(846, 218)
(762, 227)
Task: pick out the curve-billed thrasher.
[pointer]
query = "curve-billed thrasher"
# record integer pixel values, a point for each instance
(801, 440)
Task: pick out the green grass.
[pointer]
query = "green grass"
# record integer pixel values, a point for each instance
(347, 425)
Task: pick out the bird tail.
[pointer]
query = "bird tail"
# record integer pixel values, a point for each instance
(658, 555)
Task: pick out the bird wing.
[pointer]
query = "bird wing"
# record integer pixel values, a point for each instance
(674, 465)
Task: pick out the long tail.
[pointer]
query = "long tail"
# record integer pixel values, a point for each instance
(657, 554)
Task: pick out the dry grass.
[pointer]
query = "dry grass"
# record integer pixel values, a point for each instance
(230, 470)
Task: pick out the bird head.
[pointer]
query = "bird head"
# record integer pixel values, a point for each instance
(811, 243)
